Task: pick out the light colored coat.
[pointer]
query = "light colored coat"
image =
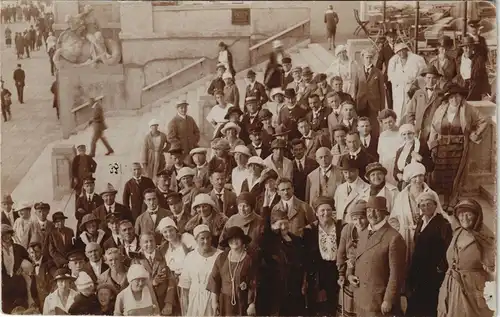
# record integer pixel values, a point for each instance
(285, 172)
(421, 109)
(316, 186)
(345, 203)
(53, 302)
(152, 156)
(389, 192)
(184, 131)
(402, 78)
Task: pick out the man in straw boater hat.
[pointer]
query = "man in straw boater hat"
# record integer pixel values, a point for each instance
(83, 166)
(424, 103)
(87, 201)
(369, 90)
(99, 126)
(217, 83)
(403, 69)
(183, 129)
(380, 264)
(255, 89)
(133, 197)
(110, 206)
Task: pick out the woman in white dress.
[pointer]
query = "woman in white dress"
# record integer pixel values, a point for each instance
(217, 114)
(24, 226)
(195, 299)
(344, 68)
(389, 142)
(175, 246)
(59, 301)
(137, 299)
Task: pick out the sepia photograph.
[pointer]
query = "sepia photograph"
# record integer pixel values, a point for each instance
(248, 158)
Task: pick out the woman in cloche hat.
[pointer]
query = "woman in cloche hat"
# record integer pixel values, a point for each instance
(454, 125)
(343, 67)
(54, 303)
(154, 148)
(232, 279)
(231, 132)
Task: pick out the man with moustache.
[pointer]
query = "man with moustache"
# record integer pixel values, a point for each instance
(302, 167)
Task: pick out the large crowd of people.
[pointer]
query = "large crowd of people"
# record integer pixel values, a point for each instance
(327, 194)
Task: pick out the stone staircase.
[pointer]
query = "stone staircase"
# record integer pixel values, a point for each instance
(126, 135)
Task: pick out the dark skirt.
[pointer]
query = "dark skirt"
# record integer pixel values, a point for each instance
(226, 308)
(8, 41)
(447, 157)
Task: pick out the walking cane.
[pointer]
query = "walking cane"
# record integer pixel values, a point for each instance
(342, 301)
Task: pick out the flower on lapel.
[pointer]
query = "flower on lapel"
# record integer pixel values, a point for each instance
(243, 286)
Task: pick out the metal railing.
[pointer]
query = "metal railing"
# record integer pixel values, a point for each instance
(85, 104)
(280, 34)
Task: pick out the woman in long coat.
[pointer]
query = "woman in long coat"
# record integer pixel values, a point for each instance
(321, 240)
(426, 271)
(413, 150)
(472, 74)
(343, 67)
(155, 145)
(281, 272)
(455, 124)
(471, 262)
(346, 256)
(273, 75)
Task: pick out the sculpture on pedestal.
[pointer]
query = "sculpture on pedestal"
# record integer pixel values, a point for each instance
(82, 44)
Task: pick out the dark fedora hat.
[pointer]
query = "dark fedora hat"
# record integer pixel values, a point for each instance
(251, 74)
(265, 114)
(58, 216)
(474, 23)
(454, 89)
(346, 164)
(468, 40)
(63, 274)
(268, 174)
(445, 41)
(278, 144)
(290, 93)
(377, 202)
(235, 233)
(431, 69)
(232, 110)
(175, 148)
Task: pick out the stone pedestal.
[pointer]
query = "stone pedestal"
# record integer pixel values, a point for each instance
(355, 46)
(205, 103)
(62, 156)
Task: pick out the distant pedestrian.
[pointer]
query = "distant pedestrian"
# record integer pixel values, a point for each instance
(8, 36)
(331, 21)
(55, 102)
(19, 79)
(19, 42)
(6, 102)
(26, 43)
(99, 126)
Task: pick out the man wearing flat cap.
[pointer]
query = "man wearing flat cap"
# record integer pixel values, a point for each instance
(379, 270)
(133, 197)
(217, 83)
(83, 166)
(255, 89)
(369, 90)
(87, 201)
(42, 226)
(183, 129)
(420, 110)
(8, 214)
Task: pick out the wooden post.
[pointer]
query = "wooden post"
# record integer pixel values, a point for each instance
(384, 13)
(465, 19)
(417, 21)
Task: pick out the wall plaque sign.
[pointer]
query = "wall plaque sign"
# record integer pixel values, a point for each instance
(240, 16)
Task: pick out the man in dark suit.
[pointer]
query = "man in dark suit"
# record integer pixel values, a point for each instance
(482, 47)
(99, 126)
(313, 139)
(380, 265)
(337, 86)
(163, 179)
(83, 166)
(258, 147)
(369, 90)
(384, 55)
(114, 240)
(87, 201)
(14, 291)
(250, 120)
(318, 116)
(19, 79)
(217, 83)
(369, 140)
(348, 116)
(291, 113)
(287, 72)
(8, 214)
(180, 213)
(323, 88)
(133, 192)
(110, 206)
(360, 156)
(307, 88)
(43, 274)
(60, 240)
(95, 265)
(223, 198)
(149, 220)
(302, 166)
(130, 247)
(256, 89)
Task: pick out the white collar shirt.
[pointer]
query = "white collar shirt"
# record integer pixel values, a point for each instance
(426, 222)
(377, 226)
(111, 208)
(96, 267)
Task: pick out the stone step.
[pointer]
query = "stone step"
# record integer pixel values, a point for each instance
(298, 59)
(313, 61)
(489, 193)
(324, 55)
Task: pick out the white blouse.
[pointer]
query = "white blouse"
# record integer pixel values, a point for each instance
(175, 257)
(327, 244)
(53, 300)
(465, 67)
(217, 113)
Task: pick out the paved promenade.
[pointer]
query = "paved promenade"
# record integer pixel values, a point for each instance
(34, 124)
